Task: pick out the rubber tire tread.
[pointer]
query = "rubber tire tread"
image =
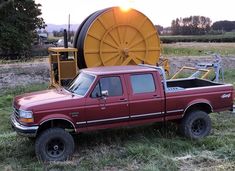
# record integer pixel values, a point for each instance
(82, 35)
(45, 136)
(79, 30)
(186, 123)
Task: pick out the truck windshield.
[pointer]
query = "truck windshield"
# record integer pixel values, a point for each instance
(81, 84)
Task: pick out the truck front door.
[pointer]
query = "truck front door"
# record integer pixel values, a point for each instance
(110, 109)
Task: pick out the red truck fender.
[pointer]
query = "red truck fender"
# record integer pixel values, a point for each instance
(58, 118)
(199, 104)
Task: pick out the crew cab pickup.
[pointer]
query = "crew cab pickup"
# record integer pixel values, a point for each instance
(108, 97)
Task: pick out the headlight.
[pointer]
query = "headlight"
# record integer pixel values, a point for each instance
(26, 116)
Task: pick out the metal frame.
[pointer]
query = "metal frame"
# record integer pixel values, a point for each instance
(162, 73)
(55, 58)
(207, 68)
(207, 72)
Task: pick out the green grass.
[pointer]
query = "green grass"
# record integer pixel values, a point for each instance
(17, 153)
(149, 147)
(227, 37)
(6, 97)
(182, 51)
(141, 148)
(197, 49)
(229, 76)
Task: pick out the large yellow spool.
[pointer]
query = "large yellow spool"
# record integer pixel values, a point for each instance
(116, 37)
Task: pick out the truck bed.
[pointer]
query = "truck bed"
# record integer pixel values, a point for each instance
(189, 83)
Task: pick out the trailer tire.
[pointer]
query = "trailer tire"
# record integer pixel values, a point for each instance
(195, 125)
(54, 144)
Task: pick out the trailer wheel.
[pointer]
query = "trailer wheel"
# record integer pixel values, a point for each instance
(196, 125)
(54, 144)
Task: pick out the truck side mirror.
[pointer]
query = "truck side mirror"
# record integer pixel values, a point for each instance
(105, 93)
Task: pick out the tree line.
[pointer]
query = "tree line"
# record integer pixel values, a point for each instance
(199, 25)
(193, 25)
(224, 26)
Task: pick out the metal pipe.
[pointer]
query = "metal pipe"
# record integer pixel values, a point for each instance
(162, 73)
(69, 36)
(65, 39)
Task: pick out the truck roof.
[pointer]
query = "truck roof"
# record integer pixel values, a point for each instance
(117, 69)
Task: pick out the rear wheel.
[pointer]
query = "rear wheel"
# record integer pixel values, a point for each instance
(54, 144)
(196, 125)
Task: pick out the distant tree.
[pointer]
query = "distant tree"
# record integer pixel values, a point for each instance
(58, 33)
(193, 25)
(175, 26)
(54, 33)
(159, 28)
(61, 33)
(223, 25)
(19, 20)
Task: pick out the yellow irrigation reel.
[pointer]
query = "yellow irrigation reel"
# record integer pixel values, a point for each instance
(113, 36)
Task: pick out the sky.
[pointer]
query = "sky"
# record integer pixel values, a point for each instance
(160, 12)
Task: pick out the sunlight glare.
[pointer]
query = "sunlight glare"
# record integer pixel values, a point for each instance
(125, 5)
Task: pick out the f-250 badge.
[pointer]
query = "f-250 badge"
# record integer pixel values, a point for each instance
(226, 95)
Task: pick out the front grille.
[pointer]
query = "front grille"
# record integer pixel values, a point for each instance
(16, 113)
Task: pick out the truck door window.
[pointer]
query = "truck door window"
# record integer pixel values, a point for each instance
(112, 84)
(96, 92)
(142, 83)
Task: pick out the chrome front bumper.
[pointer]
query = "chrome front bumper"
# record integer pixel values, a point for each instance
(28, 131)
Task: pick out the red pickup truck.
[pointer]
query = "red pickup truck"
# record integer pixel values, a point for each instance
(108, 97)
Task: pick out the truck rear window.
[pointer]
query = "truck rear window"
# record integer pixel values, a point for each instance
(142, 83)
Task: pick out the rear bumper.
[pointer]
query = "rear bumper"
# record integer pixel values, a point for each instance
(28, 131)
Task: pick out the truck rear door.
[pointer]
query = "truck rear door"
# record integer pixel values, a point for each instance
(146, 100)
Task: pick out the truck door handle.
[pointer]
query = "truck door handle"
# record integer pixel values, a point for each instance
(155, 96)
(123, 100)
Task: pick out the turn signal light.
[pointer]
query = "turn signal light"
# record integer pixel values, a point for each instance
(26, 120)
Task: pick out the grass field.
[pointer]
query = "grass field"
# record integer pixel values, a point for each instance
(226, 37)
(198, 49)
(150, 147)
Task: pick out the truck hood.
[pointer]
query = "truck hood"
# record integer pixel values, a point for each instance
(29, 100)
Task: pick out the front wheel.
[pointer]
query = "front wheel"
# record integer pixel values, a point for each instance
(54, 144)
(196, 125)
